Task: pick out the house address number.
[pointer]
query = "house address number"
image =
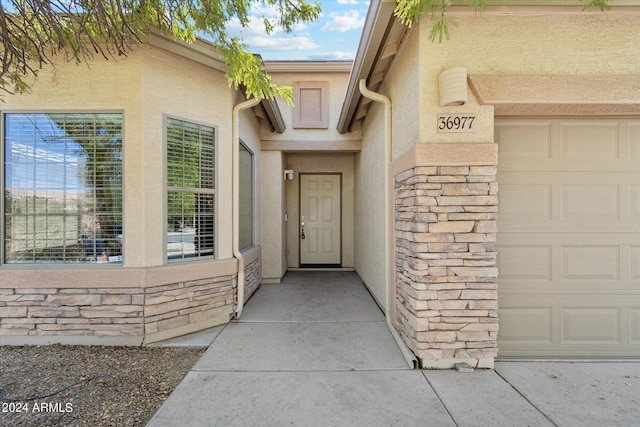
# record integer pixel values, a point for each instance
(456, 123)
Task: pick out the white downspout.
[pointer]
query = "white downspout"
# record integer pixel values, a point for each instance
(235, 208)
(389, 281)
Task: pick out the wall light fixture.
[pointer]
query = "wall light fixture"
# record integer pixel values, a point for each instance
(453, 87)
(288, 174)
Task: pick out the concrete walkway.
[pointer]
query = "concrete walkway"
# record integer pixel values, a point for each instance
(315, 351)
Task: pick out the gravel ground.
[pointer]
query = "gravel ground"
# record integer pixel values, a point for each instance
(63, 385)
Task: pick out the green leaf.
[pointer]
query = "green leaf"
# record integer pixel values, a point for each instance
(591, 4)
(409, 11)
(35, 33)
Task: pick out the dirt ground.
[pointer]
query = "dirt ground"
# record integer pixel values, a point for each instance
(63, 385)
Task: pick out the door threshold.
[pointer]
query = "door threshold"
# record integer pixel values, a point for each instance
(316, 268)
(320, 266)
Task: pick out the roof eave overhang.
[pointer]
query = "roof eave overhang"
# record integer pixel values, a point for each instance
(375, 29)
(200, 51)
(274, 115)
(304, 66)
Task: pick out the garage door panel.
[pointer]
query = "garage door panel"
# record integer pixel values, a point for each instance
(534, 201)
(569, 237)
(569, 325)
(634, 141)
(523, 140)
(590, 262)
(591, 325)
(526, 325)
(634, 263)
(525, 202)
(634, 202)
(589, 141)
(585, 145)
(634, 330)
(525, 262)
(590, 202)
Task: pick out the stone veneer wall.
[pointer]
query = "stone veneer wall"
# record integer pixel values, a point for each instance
(121, 306)
(115, 312)
(446, 275)
(178, 305)
(110, 306)
(71, 311)
(252, 278)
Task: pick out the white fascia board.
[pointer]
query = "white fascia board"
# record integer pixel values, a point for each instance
(308, 66)
(375, 26)
(201, 51)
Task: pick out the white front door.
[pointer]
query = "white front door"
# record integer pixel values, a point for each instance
(320, 220)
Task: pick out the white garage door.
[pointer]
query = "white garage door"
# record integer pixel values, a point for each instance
(569, 237)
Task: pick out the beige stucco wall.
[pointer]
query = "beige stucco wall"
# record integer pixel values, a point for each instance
(369, 207)
(309, 163)
(531, 41)
(186, 90)
(126, 304)
(506, 40)
(121, 91)
(272, 216)
(280, 197)
(401, 86)
(92, 91)
(146, 86)
(337, 84)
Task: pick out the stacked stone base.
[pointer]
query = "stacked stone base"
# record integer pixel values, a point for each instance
(118, 316)
(446, 277)
(112, 314)
(181, 308)
(252, 278)
(46, 312)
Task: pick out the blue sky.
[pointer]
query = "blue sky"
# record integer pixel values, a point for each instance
(335, 35)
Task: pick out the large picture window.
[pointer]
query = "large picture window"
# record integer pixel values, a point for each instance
(62, 188)
(190, 189)
(246, 197)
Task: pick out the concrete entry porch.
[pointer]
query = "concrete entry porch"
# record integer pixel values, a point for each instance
(315, 350)
(312, 350)
(313, 320)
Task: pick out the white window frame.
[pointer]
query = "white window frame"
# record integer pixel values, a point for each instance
(113, 261)
(167, 189)
(253, 200)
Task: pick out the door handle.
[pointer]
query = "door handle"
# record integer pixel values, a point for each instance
(302, 236)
